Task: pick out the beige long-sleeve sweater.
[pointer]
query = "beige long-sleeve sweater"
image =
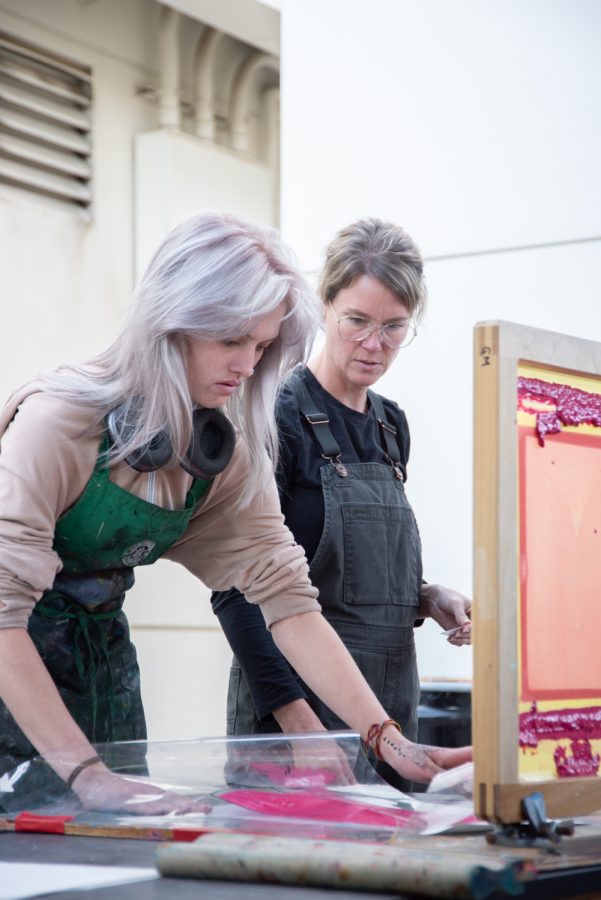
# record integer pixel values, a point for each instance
(47, 455)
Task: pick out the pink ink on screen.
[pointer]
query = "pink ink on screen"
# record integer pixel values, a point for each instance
(571, 406)
(579, 726)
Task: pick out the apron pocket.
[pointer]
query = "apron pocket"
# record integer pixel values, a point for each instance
(382, 555)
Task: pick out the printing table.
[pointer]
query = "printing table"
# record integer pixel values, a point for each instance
(579, 881)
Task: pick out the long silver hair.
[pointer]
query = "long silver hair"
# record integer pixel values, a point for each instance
(212, 278)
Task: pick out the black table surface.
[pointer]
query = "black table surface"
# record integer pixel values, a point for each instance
(121, 852)
(68, 850)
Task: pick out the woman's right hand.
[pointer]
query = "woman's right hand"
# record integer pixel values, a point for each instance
(297, 717)
(320, 759)
(419, 762)
(105, 791)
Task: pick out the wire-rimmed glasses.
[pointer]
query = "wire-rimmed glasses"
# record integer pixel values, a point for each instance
(395, 335)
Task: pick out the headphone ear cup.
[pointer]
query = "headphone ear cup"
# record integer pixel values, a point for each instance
(212, 444)
(148, 458)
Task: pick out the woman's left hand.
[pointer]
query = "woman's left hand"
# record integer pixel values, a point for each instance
(103, 790)
(450, 609)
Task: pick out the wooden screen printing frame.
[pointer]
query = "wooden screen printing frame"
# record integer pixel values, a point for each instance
(500, 348)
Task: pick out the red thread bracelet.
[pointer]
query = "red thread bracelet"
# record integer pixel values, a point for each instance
(374, 736)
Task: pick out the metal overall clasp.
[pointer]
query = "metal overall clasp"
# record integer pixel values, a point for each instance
(398, 472)
(338, 465)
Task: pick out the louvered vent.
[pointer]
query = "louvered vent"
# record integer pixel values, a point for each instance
(45, 106)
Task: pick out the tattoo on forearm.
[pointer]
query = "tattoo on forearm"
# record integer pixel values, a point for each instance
(416, 754)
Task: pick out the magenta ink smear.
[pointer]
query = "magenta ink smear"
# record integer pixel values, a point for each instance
(554, 724)
(579, 726)
(572, 406)
(582, 761)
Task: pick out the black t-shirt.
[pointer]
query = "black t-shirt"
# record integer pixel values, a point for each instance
(298, 475)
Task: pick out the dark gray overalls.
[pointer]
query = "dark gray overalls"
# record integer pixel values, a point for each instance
(368, 570)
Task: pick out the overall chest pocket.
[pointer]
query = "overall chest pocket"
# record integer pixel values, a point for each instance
(382, 555)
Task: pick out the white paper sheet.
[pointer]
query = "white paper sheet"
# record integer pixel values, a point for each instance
(19, 880)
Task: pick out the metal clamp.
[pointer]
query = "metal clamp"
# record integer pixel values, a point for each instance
(536, 830)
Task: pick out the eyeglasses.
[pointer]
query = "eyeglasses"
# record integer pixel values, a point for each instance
(357, 328)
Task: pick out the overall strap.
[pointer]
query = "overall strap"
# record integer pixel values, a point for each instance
(319, 422)
(388, 432)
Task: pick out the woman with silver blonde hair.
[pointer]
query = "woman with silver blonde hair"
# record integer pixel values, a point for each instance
(210, 279)
(159, 448)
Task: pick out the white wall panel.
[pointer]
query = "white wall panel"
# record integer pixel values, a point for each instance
(477, 127)
(475, 124)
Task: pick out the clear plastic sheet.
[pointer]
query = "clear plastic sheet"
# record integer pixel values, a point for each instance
(314, 785)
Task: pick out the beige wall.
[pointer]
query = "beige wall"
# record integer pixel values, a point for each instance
(177, 174)
(67, 275)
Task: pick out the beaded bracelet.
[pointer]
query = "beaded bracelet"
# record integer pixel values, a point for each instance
(374, 736)
(83, 765)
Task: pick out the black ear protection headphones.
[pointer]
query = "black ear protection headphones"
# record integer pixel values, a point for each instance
(209, 451)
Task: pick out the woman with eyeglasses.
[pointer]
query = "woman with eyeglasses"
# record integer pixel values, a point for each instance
(341, 473)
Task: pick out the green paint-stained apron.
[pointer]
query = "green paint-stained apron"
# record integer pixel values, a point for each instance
(79, 627)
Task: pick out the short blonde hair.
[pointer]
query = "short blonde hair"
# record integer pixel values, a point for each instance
(381, 249)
